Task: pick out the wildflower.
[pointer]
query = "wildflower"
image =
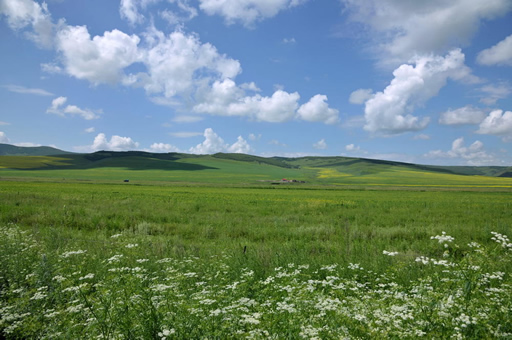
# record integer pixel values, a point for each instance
(443, 238)
(389, 253)
(59, 278)
(114, 259)
(38, 296)
(131, 245)
(88, 276)
(74, 252)
(165, 333)
(501, 239)
(116, 235)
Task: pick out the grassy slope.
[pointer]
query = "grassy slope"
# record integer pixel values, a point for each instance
(239, 168)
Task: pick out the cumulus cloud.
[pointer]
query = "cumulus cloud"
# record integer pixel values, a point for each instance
(390, 111)
(462, 116)
(472, 155)
(173, 63)
(177, 69)
(26, 90)
(213, 143)
(498, 123)
(162, 147)
(352, 148)
(240, 146)
(247, 12)
(499, 54)
(27, 13)
(58, 108)
(100, 59)
(3, 137)
(360, 96)
(226, 98)
(90, 130)
(116, 143)
(406, 28)
(320, 145)
(317, 110)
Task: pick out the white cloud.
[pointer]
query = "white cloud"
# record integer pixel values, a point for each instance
(173, 63)
(100, 59)
(58, 109)
(254, 137)
(289, 41)
(128, 9)
(4, 123)
(320, 145)
(162, 147)
(187, 119)
(226, 98)
(23, 13)
(90, 130)
(360, 96)
(277, 143)
(406, 28)
(317, 110)
(352, 148)
(185, 134)
(240, 146)
(493, 93)
(246, 12)
(461, 116)
(499, 54)
(498, 123)
(472, 155)
(26, 90)
(389, 111)
(182, 13)
(3, 138)
(212, 144)
(421, 136)
(116, 143)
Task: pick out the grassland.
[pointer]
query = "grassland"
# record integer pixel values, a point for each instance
(198, 247)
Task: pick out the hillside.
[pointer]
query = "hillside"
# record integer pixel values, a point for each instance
(12, 150)
(238, 168)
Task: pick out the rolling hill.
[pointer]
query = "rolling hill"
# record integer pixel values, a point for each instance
(236, 168)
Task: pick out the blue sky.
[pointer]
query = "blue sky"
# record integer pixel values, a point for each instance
(417, 81)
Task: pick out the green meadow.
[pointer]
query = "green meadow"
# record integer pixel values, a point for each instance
(220, 247)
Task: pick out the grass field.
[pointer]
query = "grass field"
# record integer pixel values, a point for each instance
(211, 249)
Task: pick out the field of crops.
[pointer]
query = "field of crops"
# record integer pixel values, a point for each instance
(126, 261)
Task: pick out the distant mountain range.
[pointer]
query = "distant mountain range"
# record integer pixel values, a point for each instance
(145, 160)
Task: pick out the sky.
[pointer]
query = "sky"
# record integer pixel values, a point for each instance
(426, 82)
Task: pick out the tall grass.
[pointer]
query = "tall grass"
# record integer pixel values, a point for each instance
(126, 261)
(124, 293)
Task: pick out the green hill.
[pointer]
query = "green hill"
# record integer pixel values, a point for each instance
(239, 168)
(12, 150)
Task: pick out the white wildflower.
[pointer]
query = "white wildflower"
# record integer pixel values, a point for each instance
(74, 252)
(389, 253)
(443, 238)
(131, 245)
